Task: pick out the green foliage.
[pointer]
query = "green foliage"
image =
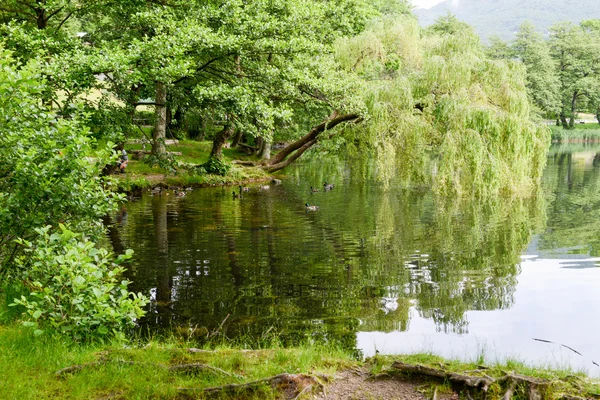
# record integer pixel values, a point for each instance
(543, 86)
(563, 72)
(50, 171)
(29, 367)
(591, 133)
(448, 115)
(75, 288)
(576, 50)
(216, 166)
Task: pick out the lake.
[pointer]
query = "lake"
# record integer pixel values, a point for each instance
(392, 271)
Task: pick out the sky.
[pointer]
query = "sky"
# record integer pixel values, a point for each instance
(425, 3)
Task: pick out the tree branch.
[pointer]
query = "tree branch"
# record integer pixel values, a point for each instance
(63, 21)
(333, 120)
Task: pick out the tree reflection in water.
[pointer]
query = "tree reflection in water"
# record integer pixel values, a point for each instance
(362, 262)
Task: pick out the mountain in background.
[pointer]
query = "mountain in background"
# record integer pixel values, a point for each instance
(503, 17)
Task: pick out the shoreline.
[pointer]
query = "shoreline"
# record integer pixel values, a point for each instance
(135, 183)
(47, 367)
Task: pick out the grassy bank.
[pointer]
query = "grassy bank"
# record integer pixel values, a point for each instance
(561, 384)
(140, 175)
(580, 133)
(29, 367)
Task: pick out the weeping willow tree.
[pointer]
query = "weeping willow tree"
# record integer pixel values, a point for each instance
(440, 112)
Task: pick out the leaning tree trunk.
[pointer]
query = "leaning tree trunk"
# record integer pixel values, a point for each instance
(160, 126)
(219, 140)
(294, 150)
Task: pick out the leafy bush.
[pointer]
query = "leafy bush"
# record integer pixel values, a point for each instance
(75, 288)
(49, 171)
(216, 166)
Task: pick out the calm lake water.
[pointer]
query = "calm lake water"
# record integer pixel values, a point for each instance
(395, 271)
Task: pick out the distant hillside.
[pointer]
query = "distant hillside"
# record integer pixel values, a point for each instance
(503, 17)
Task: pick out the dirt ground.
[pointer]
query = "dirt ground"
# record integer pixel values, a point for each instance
(359, 385)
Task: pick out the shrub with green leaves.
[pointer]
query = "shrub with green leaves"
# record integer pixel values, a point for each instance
(216, 166)
(75, 288)
(50, 170)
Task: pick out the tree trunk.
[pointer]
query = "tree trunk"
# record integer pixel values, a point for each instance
(219, 141)
(293, 151)
(169, 118)
(260, 144)
(203, 125)
(160, 127)
(42, 21)
(265, 151)
(179, 117)
(563, 121)
(573, 110)
(237, 138)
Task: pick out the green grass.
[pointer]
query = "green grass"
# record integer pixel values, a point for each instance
(141, 175)
(564, 381)
(132, 370)
(28, 366)
(137, 369)
(580, 133)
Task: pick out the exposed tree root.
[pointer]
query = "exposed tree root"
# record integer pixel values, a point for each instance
(172, 368)
(533, 388)
(292, 385)
(77, 368)
(199, 367)
(481, 382)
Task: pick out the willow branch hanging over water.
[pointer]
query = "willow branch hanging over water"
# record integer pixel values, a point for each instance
(441, 113)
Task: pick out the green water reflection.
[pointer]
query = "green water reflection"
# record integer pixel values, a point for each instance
(362, 262)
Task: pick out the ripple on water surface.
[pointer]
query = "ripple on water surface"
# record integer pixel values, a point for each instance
(393, 271)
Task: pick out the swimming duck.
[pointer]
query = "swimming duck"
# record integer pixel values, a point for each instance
(179, 193)
(237, 195)
(311, 208)
(276, 181)
(264, 187)
(314, 190)
(244, 189)
(328, 186)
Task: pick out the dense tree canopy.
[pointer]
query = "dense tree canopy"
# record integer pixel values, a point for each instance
(353, 76)
(437, 98)
(563, 72)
